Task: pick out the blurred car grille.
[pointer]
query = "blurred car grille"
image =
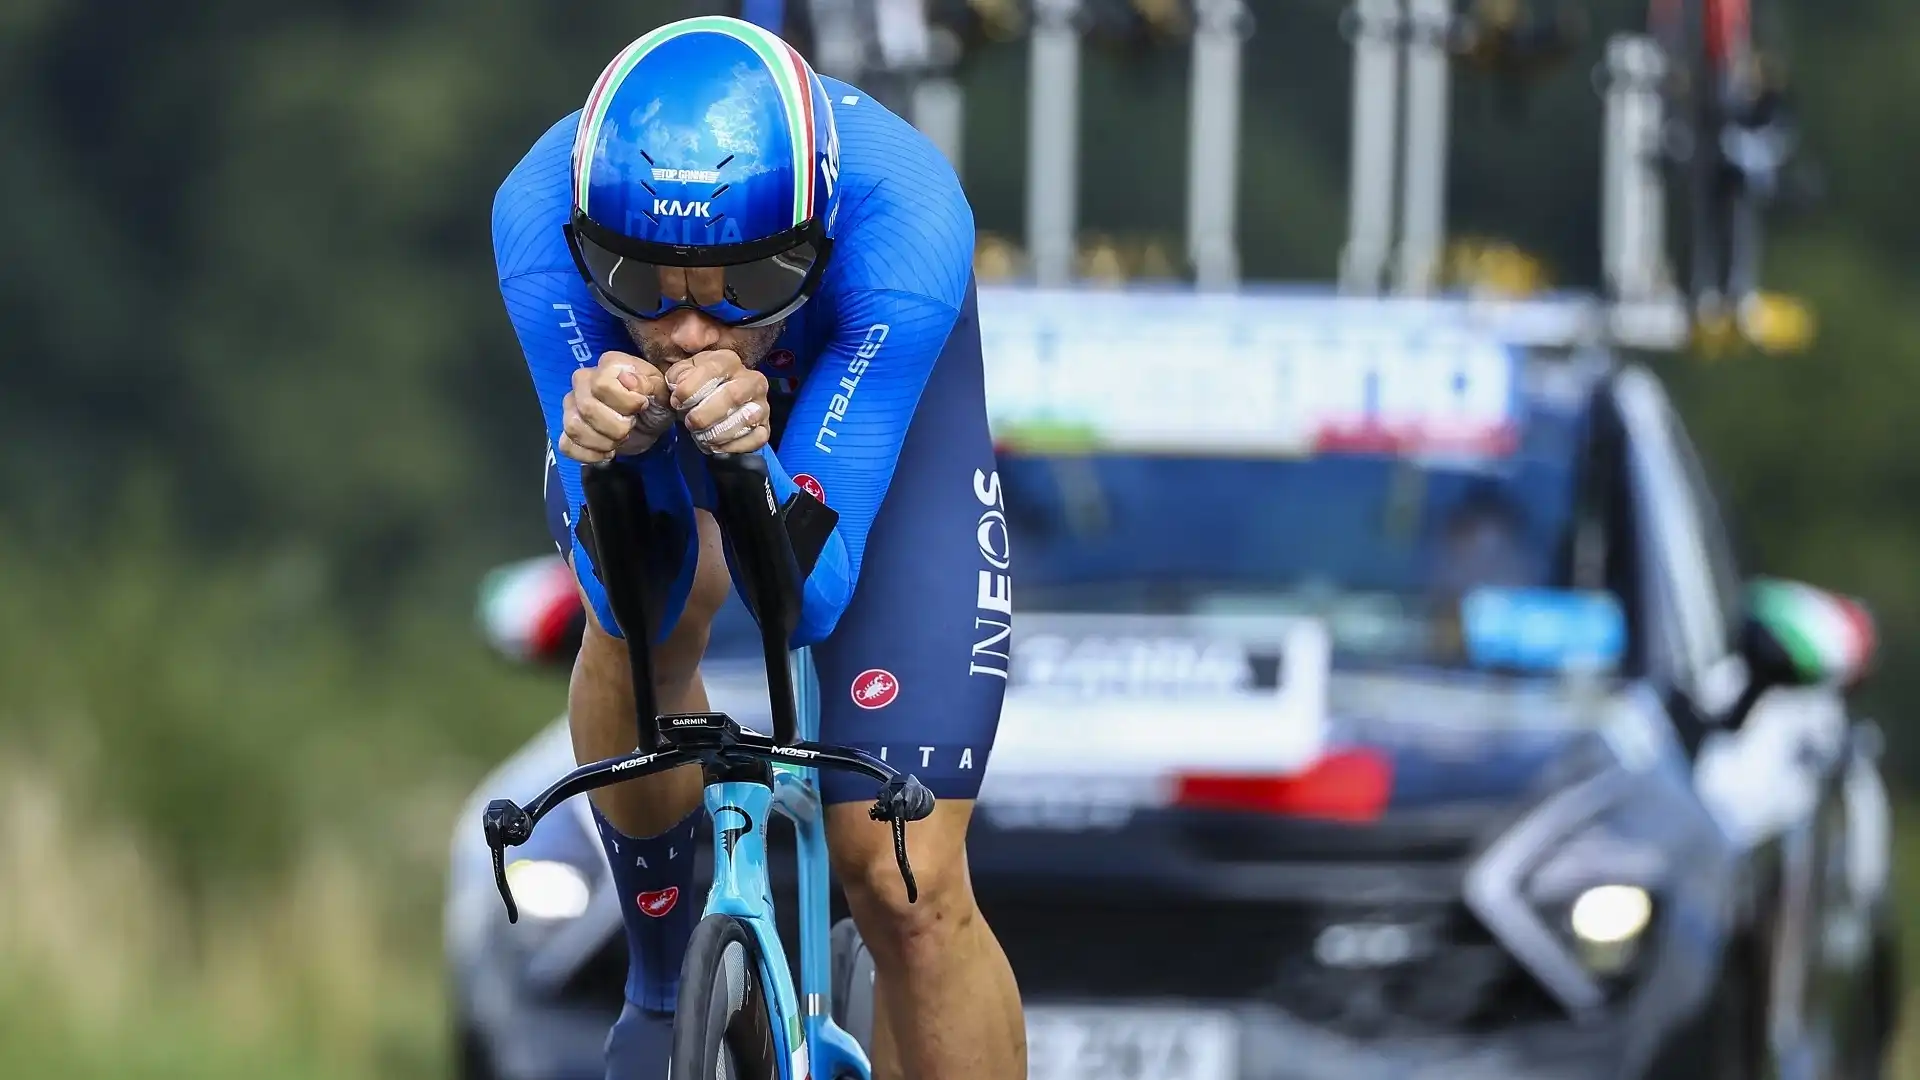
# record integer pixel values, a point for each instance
(1457, 979)
(1067, 942)
(1229, 838)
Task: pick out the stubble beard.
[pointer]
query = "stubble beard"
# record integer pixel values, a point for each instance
(752, 344)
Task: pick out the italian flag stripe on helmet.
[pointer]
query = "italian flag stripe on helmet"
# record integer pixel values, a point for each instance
(790, 73)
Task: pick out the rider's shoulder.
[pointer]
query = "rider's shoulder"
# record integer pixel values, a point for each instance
(532, 203)
(906, 225)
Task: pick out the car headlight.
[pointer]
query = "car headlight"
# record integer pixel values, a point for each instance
(548, 890)
(1572, 889)
(1597, 888)
(1611, 914)
(1607, 922)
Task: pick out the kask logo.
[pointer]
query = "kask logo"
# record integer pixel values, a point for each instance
(875, 688)
(676, 208)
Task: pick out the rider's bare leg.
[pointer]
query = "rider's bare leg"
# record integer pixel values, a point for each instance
(945, 1003)
(600, 699)
(647, 825)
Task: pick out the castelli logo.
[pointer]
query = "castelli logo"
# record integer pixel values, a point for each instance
(875, 688)
(805, 482)
(780, 358)
(657, 904)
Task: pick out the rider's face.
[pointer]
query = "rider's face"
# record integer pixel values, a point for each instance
(680, 334)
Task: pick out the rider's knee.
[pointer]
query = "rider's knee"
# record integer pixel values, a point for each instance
(676, 659)
(864, 862)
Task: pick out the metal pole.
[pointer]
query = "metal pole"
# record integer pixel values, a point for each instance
(1376, 97)
(940, 112)
(1633, 240)
(1423, 220)
(900, 29)
(909, 50)
(1616, 172)
(1053, 137)
(1213, 134)
(839, 41)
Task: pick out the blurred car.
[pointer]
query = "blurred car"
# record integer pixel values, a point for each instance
(1389, 709)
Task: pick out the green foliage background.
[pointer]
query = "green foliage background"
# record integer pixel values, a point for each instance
(263, 424)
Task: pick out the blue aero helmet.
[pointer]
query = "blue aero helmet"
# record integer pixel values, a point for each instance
(705, 175)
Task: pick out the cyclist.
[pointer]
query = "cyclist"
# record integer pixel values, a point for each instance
(724, 251)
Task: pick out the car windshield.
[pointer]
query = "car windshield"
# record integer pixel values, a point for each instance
(1384, 547)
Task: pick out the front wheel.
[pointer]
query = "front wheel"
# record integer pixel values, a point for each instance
(723, 1025)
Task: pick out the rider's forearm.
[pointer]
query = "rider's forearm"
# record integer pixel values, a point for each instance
(829, 588)
(883, 361)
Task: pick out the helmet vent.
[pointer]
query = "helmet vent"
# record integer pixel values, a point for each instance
(723, 163)
(719, 191)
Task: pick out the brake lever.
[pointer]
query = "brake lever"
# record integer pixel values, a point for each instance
(900, 856)
(505, 825)
(903, 799)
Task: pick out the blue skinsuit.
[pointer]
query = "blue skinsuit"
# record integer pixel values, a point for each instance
(879, 380)
(861, 350)
(879, 408)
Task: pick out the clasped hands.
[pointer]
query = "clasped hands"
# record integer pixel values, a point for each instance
(625, 404)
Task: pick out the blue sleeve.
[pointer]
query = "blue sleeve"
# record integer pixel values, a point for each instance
(562, 329)
(903, 260)
(847, 426)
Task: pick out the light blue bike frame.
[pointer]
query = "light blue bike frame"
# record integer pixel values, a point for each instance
(808, 1042)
